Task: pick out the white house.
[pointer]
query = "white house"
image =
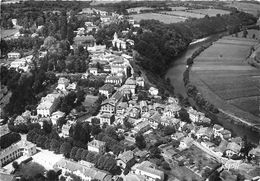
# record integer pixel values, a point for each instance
(97, 146)
(55, 116)
(48, 105)
(153, 91)
(93, 70)
(13, 55)
(106, 90)
(62, 83)
(148, 170)
(119, 43)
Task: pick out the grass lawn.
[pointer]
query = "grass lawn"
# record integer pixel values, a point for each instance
(30, 169)
(210, 12)
(160, 17)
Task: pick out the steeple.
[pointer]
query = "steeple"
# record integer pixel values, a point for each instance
(115, 36)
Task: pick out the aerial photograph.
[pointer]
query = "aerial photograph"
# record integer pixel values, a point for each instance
(130, 90)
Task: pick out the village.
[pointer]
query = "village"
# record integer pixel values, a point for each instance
(160, 138)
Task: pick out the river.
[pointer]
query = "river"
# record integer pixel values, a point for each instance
(175, 74)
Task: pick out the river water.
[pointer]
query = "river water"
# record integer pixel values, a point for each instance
(175, 74)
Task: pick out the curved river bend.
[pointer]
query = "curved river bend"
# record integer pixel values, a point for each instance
(175, 74)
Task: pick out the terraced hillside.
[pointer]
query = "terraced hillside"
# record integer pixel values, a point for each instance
(223, 75)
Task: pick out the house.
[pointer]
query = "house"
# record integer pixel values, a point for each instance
(142, 127)
(85, 172)
(107, 118)
(140, 81)
(125, 159)
(108, 106)
(153, 91)
(148, 169)
(177, 136)
(217, 129)
(62, 84)
(119, 43)
(128, 89)
(143, 106)
(204, 133)
(107, 68)
(155, 119)
(185, 142)
(19, 120)
(48, 104)
(72, 86)
(65, 130)
(86, 41)
(255, 154)
(13, 55)
(221, 148)
(97, 146)
(171, 110)
(93, 70)
(119, 67)
(141, 154)
(55, 116)
(121, 108)
(238, 140)
(225, 134)
(15, 151)
(195, 116)
(106, 90)
(233, 149)
(19, 64)
(117, 80)
(135, 112)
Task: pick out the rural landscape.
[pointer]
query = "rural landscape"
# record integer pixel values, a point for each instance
(223, 69)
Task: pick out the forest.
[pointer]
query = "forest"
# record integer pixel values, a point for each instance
(160, 43)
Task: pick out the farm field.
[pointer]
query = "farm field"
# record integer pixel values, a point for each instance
(184, 14)
(160, 17)
(246, 7)
(209, 12)
(178, 8)
(223, 75)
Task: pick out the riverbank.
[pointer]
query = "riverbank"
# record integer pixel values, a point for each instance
(229, 121)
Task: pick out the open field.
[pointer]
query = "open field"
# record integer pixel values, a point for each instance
(251, 33)
(224, 77)
(184, 14)
(251, 8)
(178, 8)
(9, 32)
(209, 12)
(160, 17)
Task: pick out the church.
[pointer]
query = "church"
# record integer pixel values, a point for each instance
(119, 43)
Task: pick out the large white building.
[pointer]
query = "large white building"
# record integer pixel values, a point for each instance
(97, 146)
(48, 105)
(119, 43)
(15, 151)
(148, 170)
(13, 55)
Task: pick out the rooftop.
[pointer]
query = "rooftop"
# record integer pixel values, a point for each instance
(126, 156)
(96, 143)
(149, 167)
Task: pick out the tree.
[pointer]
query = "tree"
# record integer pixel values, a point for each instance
(15, 165)
(166, 165)
(84, 154)
(55, 145)
(95, 130)
(245, 33)
(155, 152)
(140, 141)
(65, 149)
(47, 127)
(51, 175)
(78, 154)
(169, 130)
(184, 116)
(73, 152)
(175, 143)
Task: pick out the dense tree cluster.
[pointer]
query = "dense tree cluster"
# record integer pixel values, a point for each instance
(9, 139)
(161, 43)
(25, 87)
